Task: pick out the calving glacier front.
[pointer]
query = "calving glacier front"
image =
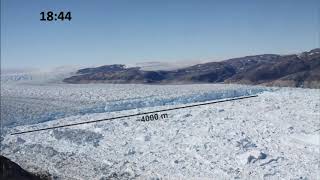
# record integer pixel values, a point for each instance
(262, 137)
(34, 103)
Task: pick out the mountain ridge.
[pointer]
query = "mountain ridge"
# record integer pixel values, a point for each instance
(295, 70)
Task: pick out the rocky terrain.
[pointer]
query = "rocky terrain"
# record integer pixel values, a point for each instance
(12, 171)
(295, 70)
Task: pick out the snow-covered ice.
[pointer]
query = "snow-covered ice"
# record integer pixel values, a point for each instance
(272, 136)
(34, 103)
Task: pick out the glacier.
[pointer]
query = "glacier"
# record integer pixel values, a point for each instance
(272, 136)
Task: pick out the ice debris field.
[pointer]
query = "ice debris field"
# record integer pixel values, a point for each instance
(272, 136)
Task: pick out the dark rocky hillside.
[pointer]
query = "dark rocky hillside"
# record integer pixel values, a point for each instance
(12, 171)
(297, 70)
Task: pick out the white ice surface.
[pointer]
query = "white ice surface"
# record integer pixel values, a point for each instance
(273, 136)
(34, 103)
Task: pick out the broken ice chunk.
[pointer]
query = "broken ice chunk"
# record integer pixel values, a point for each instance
(251, 156)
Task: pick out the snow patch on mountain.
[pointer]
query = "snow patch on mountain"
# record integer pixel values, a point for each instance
(165, 66)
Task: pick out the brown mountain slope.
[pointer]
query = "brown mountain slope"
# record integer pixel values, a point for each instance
(301, 70)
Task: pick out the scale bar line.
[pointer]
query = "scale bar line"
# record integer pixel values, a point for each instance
(138, 114)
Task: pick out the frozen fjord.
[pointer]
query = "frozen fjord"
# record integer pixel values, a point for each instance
(35, 103)
(274, 135)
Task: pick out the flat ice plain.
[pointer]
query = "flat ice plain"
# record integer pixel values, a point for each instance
(272, 136)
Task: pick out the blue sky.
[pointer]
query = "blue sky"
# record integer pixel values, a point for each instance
(128, 31)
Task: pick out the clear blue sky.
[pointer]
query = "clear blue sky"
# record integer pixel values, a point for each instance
(127, 31)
